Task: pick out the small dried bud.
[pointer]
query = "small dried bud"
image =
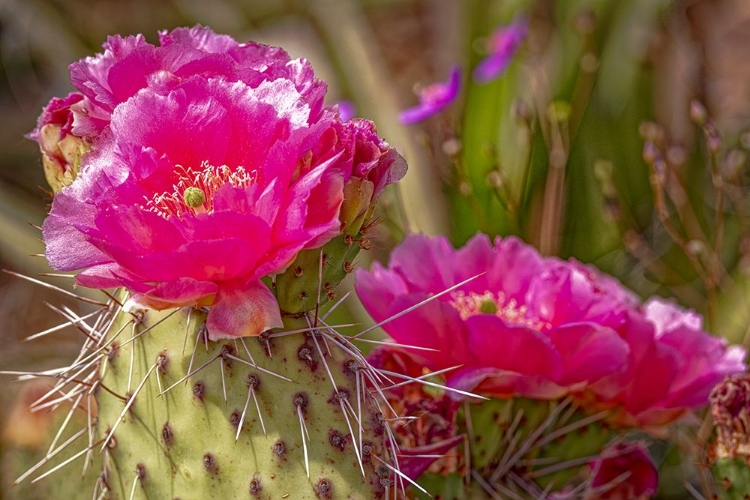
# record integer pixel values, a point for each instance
(452, 147)
(730, 410)
(520, 111)
(650, 153)
(698, 112)
(733, 163)
(495, 179)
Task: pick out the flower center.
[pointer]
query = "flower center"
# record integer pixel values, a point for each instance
(472, 303)
(193, 192)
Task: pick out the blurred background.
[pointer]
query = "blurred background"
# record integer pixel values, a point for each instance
(584, 147)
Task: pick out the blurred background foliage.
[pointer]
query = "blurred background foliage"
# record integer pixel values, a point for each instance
(585, 147)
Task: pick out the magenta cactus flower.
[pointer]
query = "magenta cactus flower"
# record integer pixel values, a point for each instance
(433, 99)
(542, 328)
(565, 313)
(501, 47)
(212, 165)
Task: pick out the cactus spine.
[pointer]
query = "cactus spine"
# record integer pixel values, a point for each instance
(522, 448)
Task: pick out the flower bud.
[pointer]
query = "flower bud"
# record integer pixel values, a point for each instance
(61, 148)
(358, 194)
(730, 410)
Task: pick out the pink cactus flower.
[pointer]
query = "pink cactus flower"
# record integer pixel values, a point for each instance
(204, 177)
(369, 163)
(433, 99)
(131, 64)
(543, 327)
(623, 472)
(502, 46)
(528, 326)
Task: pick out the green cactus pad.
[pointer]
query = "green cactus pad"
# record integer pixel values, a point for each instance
(232, 429)
(545, 442)
(297, 288)
(732, 477)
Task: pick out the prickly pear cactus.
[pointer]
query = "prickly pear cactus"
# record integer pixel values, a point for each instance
(294, 413)
(279, 416)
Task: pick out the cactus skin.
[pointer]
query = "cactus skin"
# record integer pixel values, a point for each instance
(182, 444)
(519, 433)
(732, 477)
(297, 288)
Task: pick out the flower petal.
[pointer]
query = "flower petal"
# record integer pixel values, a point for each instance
(243, 310)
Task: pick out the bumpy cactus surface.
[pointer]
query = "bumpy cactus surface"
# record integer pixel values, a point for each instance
(532, 445)
(732, 477)
(269, 417)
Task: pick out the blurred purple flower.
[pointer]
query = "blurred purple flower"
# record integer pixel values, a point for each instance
(502, 46)
(433, 99)
(346, 110)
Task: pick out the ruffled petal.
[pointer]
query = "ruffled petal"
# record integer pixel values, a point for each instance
(513, 348)
(501, 383)
(180, 292)
(243, 310)
(589, 352)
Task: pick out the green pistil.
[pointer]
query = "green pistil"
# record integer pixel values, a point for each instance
(194, 197)
(488, 307)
